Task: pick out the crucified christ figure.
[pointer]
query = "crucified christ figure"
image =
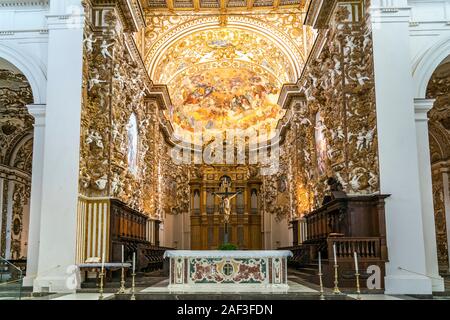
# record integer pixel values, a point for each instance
(226, 202)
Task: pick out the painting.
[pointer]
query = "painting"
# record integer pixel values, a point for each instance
(132, 134)
(214, 100)
(321, 143)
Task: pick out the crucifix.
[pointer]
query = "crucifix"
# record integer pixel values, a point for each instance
(226, 197)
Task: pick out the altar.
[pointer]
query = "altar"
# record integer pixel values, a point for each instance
(225, 270)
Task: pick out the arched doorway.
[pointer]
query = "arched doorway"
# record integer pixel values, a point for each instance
(439, 137)
(16, 140)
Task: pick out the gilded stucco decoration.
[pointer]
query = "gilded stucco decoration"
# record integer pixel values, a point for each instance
(117, 121)
(16, 152)
(439, 133)
(334, 131)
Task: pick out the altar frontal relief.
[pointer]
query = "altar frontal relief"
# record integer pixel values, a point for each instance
(255, 270)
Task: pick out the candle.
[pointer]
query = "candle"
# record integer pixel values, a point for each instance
(122, 255)
(320, 264)
(334, 253)
(356, 262)
(103, 261)
(134, 261)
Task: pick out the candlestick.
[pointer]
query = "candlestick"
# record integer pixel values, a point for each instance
(322, 297)
(358, 291)
(336, 288)
(101, 285)
(133, 297)
(122, 281)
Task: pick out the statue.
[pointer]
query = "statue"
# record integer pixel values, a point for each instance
(226, 198)
(226, 203)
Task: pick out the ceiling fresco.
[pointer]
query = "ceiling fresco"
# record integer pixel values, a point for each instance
(223, 77)
(226, 97)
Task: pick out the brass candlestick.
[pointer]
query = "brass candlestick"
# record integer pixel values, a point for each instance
(358, 291)
(322, 297)
(133, 297)
(336, 288)
(122, 282)
(102, 274)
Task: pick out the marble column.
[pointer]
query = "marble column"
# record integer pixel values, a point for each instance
(38, 112)
(57, 242)
(422, 106)
(406, 271)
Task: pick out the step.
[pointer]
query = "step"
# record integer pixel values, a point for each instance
(231, 296)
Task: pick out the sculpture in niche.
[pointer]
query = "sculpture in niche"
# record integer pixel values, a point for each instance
(132, 133)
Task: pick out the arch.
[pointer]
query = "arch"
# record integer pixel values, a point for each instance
(33, 71)
(295, 57)
(427, 63)
(25, 138)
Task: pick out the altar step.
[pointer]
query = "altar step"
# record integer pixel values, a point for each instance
(231, 296)
(307, 272)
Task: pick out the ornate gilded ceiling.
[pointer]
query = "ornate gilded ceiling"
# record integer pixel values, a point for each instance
(224, 69)
(198, 5)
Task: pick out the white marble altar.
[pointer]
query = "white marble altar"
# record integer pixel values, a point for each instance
(228, 270)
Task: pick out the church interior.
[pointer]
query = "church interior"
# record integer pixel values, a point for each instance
(130, 129)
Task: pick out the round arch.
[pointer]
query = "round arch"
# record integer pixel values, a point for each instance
(295, 57)
(427, 63)
(31, 70)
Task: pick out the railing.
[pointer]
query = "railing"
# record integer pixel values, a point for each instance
(11, 281)
(366, 248)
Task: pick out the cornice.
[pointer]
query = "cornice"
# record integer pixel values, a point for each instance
(130, 12)
(319, 13)
(23, 3)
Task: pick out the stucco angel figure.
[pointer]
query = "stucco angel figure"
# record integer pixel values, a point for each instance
(105, 49)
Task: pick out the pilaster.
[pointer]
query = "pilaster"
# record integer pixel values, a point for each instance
(421, 107)
(38, 112)
(57, 241)
(406, 271)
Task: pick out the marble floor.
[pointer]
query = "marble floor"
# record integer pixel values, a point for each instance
(157, 289)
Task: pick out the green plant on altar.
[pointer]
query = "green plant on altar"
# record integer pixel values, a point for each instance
(228, 246)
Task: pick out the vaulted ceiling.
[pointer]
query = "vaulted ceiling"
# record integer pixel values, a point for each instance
(224, 62)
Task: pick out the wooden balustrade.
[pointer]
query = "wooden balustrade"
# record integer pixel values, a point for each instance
(366, 248)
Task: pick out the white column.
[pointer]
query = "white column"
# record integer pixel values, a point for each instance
(422, 106)
(57, 247)
(397, 146)
(445, 181)
(38, 112)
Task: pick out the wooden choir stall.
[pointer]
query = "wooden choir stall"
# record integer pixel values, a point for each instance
(353, 224)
